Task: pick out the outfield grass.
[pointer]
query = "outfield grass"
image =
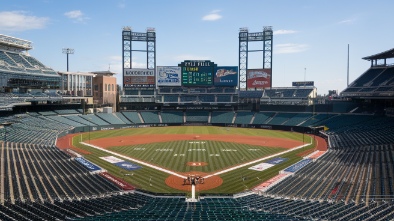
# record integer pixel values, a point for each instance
(175, 155)
(154, 180)
(194, 130)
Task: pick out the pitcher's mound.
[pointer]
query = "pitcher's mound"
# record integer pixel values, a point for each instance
(196, 164)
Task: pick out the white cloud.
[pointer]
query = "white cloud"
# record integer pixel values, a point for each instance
(212, 16)
(20, 21)
(347, 21)
(190, 57)
(77, 16)
(284, 32)
(289, 48)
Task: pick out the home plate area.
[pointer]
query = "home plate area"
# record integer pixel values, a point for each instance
(207, 184)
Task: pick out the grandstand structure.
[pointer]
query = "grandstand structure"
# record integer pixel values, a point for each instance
(375, 83)
(24, 80)
(352, 180)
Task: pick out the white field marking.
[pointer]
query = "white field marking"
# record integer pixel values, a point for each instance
(135, 160)
(256, 161)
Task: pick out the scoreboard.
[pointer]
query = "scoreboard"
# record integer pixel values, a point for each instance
(197, 76)
(197, 73)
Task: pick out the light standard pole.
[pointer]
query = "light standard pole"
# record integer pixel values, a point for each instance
(68, 51)
(89, 127)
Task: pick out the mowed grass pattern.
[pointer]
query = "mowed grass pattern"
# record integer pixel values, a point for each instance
(194, 130)
(175, 155)
(154, 180)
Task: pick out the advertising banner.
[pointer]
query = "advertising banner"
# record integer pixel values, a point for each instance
(118, 182)
(87, 164)
(303, 83)
(277, 160)
(258, 78)
(261, 166)
(111, 159)
(137, 77)
(226, 76)
(297, 166)
(169, 76)
(127, 165)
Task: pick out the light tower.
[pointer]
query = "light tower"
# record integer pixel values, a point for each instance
(68, 51)
(245, 38)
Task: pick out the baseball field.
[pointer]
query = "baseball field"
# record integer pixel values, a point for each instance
(159, 159)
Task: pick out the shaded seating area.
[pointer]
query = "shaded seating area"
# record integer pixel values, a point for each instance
(222, 117)
(150, 117)
(197, 116)
(132, 117)
(172, 116)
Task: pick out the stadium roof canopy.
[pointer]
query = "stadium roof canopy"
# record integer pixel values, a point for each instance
(15, 42)
(382, 55)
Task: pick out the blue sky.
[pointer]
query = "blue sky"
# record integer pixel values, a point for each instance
(310, 36)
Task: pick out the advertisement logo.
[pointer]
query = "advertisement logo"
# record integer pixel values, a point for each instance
(226, 76)
(168, 76)
(258, 78)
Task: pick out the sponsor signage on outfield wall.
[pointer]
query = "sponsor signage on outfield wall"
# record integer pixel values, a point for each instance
(226, 76)
(258, 78)
(90, 166)
(168, 76)
(138, 77)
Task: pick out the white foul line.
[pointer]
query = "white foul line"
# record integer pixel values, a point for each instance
(210, 175)
(255, 161)
(135, 160)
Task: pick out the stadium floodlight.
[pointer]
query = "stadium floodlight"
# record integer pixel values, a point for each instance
(127, 28)
(267, 28)
(68, 51)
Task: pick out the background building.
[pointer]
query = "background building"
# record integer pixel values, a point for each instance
(104, 89)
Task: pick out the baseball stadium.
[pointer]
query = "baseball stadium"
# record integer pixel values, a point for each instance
(192, 141)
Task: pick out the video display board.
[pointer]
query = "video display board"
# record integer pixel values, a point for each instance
(258, 78)
(197, 73)
(138, 77)
(168, 76)
(226, 76)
